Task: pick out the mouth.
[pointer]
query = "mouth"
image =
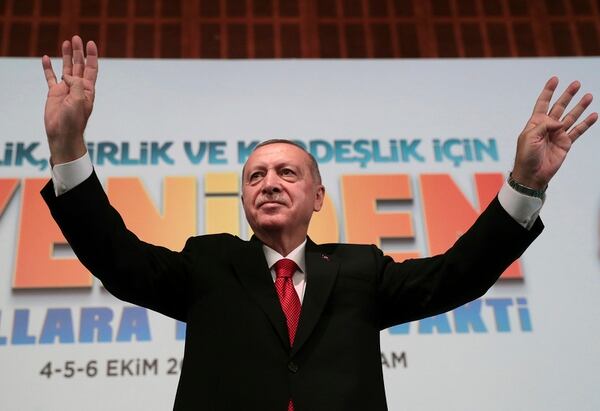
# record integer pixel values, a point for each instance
(269, 203)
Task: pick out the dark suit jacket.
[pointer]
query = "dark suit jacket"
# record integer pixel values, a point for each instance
(237, 352)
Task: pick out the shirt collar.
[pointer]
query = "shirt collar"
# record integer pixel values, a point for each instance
(297, 255)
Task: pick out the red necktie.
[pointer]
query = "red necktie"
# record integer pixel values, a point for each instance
(288, 298)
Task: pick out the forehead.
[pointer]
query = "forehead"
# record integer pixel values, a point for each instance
(277, 153)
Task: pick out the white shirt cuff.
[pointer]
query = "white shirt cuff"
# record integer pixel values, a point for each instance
(69, 175)
(523, 208)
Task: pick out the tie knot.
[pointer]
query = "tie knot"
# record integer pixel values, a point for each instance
(285, 268)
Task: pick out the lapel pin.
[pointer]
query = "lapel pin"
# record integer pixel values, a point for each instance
(325, 257)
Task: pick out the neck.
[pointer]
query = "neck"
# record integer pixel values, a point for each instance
(283, 244)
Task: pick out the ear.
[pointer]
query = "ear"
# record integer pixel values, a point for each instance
(319, 198)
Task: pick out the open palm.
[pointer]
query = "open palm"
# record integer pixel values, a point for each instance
(69, 103)
(546, 139)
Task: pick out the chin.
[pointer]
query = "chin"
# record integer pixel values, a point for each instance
(270, 225)
(272, 222)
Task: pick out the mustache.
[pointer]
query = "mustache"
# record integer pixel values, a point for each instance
(271, 198)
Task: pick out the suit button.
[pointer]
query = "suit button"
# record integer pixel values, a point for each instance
(293, 367)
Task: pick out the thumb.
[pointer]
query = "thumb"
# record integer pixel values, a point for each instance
(547, 126)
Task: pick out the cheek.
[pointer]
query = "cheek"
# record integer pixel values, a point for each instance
(305, 202)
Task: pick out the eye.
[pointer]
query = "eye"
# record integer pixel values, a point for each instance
(255, 176)
(288, 174)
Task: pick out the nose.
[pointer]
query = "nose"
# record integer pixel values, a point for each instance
(271, 183)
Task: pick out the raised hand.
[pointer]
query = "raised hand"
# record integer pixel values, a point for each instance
(547, 137)
(70, 101)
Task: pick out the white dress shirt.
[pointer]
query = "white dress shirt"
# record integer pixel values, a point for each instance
(299, 257)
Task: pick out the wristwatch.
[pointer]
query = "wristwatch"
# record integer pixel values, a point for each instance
(528, 191)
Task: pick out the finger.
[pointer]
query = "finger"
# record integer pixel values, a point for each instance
(549, 125)
(563, 101)
(91, 62)
(78, 57)
(75, 85)
(543, 101)
(582, 127)
(574, 114)
(48, 71)
(541, 130)
(67, 58)
(68, 80)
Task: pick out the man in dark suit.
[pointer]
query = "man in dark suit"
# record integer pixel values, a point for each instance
(279, 322)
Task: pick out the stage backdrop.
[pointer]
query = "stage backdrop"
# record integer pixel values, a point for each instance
(410, 152)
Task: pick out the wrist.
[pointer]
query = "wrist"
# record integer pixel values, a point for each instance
(528, 188)
(527, 180)
(65, 152)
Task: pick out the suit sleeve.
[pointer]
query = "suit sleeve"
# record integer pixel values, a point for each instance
(132, 270)
(424, 287)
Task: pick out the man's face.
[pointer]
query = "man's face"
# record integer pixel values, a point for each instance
(279, 191)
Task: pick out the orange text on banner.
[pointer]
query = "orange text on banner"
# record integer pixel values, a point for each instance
(448, 213)
(7, 189)
(222, 203)
(363, 224)
(324, 226)
(36, 267)
(169, 228)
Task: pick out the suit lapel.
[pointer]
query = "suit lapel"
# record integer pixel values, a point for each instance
(251, 268)
(321, 272)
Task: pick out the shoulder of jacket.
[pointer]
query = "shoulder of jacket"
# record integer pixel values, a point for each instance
(220, 239)
(343, 248)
